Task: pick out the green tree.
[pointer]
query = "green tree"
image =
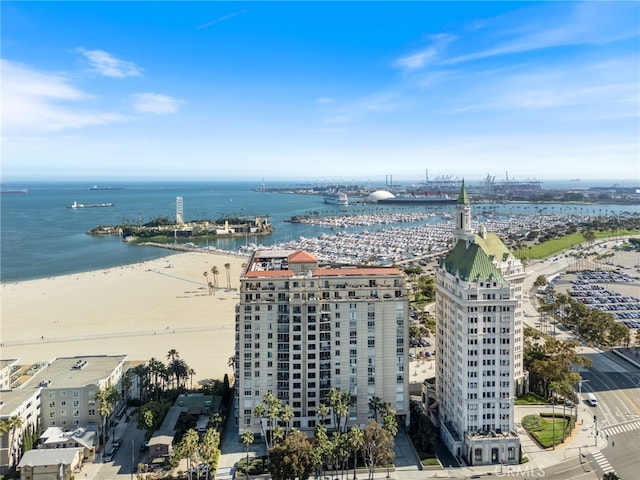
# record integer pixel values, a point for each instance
(188, 448)
(293, 459)
(246, 437)
(377, 446)
(611, 476)
(209, 448)
(11, 425)
(540, 281)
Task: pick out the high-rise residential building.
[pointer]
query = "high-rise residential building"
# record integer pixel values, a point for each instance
(479, 344)
(302, 329)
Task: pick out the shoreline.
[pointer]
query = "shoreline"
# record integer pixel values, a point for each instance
(142, 310)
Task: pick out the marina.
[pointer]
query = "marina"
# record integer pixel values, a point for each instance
(26, 219)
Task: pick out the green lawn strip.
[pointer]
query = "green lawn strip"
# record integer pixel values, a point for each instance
(557, 245)
(542, 428)
(530, 399)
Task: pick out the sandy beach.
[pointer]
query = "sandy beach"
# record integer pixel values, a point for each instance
(141, 310)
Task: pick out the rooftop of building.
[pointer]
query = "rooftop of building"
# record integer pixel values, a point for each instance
(49, 456)
(286, 263)
(13, 399)
(71, 372)
(56, 435)
(7, 362)
(472, 263)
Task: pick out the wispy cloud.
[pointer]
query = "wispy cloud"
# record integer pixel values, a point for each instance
(221, 19)
(107, 65)
(599, 89)
(37, 102)
(360, 108)
(426, 55)
(325, 100)
(555, 24)
(155, 103)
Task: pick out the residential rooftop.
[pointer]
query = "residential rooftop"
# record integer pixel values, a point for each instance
(70, 372)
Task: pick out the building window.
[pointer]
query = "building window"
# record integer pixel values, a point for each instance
(478, 455)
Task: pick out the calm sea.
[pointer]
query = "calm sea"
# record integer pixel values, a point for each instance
(42, 237)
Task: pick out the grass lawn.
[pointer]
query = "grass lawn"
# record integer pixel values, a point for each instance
(530, 399)
(557, 245)
(542, 429)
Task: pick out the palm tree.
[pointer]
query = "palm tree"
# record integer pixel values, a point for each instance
(142, 372)
(173, 354)
(215, 272)
(227, 267)
(232, 362)
(356, 439)
(10, 425)
(156, 370)
(246, 437)
(375, 405)
(106, 399)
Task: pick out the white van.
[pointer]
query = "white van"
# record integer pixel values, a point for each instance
(593, 401)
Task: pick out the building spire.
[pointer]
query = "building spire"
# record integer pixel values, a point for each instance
(462, 229)
(463, 197)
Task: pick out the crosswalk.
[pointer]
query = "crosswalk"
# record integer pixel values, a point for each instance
(602, 462)
(621, 428)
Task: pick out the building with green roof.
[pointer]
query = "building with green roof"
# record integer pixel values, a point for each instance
(479, 344)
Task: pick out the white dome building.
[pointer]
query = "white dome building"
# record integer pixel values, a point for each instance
(378, 195)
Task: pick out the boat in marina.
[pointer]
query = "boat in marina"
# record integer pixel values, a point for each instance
(75, 205)
(336, 198)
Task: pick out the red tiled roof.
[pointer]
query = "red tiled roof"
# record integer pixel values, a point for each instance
(301, 256)
(269, 273)
(355, 271)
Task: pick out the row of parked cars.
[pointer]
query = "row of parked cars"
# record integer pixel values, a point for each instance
(115, 445)
(419, 342)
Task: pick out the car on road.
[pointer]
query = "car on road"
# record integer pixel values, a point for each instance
(109, 455)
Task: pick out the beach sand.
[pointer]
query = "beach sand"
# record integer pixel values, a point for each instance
(141, 310)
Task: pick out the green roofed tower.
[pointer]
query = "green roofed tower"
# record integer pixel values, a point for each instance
(479, 342)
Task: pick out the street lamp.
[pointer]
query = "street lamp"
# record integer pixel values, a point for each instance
(579, 396)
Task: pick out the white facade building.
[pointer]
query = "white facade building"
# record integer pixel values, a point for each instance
(479, 344)
(302, 330)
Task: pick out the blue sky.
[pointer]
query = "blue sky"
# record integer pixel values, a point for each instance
(325, 90)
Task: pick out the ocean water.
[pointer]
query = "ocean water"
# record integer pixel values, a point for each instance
(42, 237)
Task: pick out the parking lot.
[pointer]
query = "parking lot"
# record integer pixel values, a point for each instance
(610, 291)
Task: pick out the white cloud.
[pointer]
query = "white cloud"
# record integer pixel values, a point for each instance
(155, 103)
(107, 65)
(36, 102)
(325, 100)
(557, 24)
(425, 56)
